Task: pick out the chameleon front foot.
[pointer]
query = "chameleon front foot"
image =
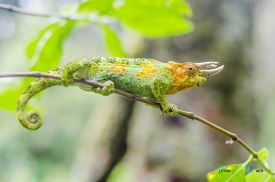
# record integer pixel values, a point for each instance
(170, 109)
(69, 70)
(66, 78)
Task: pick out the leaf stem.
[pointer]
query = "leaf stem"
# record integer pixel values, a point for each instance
(189, 115)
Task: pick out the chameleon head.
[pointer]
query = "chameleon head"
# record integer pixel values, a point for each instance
(199, 72)
(188, 75)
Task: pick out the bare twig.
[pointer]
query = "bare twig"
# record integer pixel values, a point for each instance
(189, 115)
(35, 13)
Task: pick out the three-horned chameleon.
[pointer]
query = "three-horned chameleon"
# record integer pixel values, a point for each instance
(143, 77)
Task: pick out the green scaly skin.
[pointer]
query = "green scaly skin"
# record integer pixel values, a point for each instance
(34, 119)
(143, 77)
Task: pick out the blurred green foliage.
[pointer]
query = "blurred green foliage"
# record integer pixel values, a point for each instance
(113, 42)
(150, 18)
(236, 173)
(239, 172)
(257, 175)
(158, 18)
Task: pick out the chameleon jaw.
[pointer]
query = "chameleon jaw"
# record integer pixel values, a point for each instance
(210, 72)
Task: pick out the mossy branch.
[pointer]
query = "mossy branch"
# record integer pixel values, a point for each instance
(189, 115)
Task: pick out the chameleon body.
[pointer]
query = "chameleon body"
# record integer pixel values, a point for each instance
(143, 77)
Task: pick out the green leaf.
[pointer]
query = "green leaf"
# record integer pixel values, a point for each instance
(31, 48)
(51, 50)
(258, 175)
(48, 48)
(102, 7)
(233, 172)
(49, 54)
(113, 42)
(156, 18)
(9, 99)
(182, 7)
(263, 156)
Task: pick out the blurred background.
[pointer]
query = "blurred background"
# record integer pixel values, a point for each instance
(87, 137)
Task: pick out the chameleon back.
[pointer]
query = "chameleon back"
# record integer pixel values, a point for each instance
(131, 75)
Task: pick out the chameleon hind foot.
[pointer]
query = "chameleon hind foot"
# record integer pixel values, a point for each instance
(108, 88)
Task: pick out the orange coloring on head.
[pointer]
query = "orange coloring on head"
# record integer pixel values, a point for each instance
(180, 73)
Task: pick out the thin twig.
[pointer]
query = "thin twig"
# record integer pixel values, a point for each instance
(189, 115)
(78, 16)
(233, 136)
(35, 13)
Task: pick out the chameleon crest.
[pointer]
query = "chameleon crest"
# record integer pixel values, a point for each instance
(143, 77)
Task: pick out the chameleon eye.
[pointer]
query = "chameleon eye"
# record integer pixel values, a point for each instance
(190, 69)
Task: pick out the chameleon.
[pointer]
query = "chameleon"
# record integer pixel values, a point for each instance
(142, 77)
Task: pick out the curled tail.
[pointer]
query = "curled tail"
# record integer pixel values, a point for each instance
(34, 120)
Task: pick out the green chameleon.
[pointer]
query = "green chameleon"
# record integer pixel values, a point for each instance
(143, 77)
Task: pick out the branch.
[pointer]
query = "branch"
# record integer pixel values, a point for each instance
(78, 16)
(189, 115)
(34, 13)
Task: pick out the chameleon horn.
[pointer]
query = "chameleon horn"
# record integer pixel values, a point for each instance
(206, 65)
(208, 73)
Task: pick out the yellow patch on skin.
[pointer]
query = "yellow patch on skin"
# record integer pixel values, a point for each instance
(148, 70)
(181, 73)
(118, 69)
(120, 64)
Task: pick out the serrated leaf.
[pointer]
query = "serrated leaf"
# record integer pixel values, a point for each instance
(113, 42)
(258, 175)
(155, 18)
(234, 172)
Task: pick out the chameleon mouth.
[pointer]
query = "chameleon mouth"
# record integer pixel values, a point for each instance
(208, 72)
